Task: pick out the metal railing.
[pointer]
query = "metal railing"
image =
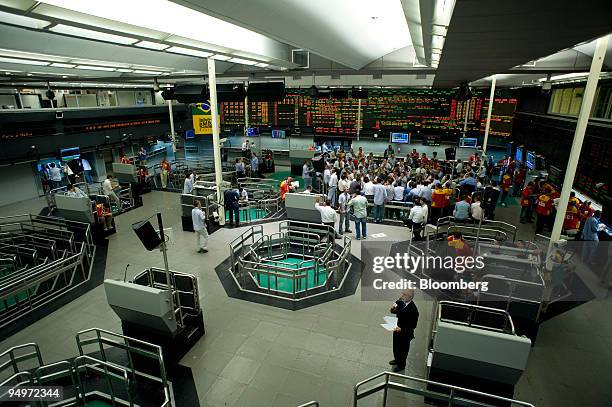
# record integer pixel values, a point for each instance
(456, 396)
(101, 341)
(313, 403)
(258, 260)
(500, 230)
(40, 282)
(184, 290)
(502, 292)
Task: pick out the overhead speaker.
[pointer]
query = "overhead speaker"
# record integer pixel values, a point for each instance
(168, 93)
(339, 93)
(266, 91)
(359, 94)
(147, 234)
(50, 94)
(191, 93)
(313, 92)
(231, 92)
(464, 92)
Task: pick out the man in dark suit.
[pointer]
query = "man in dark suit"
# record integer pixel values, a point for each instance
(407, 318)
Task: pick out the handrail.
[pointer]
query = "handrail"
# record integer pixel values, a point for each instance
(449, 398)
(313, 403)
(489, 310)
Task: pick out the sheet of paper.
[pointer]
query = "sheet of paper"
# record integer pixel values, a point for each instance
(390, 319)
(388, 327)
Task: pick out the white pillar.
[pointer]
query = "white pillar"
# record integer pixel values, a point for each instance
(581, 125)
(212, 85)
(172, 133)
(246, 114)
(488, 122)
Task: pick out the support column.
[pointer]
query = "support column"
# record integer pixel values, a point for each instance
(246, 114)
(212, 85)
(581, 125)
(172, 133)
(488, 122)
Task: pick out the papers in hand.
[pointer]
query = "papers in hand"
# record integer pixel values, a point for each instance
(390, 323)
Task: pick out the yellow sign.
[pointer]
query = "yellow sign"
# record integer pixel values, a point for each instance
(202, 119)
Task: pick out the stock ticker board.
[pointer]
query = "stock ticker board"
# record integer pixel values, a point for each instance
(384, 109)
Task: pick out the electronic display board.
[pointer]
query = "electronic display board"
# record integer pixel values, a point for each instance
(70, 153)
(400, 110)
(531, 158)
(252, 131)
(278, 133)
(518, 155)
(400, 138)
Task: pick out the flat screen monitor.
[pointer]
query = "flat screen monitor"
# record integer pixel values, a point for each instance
(278, 133)
(531, 157)
(70, 153)
(518, 155)
(468, 142)
(253, 131)
(189, 134)
(401, 138)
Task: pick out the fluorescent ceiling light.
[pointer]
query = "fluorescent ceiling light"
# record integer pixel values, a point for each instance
(96, 62)
(124, 70)
(172, 18)
(189, 51)
(262, 65)
(94, 35)
(148, 72)
(152, 45)
(62, 65)
(574, 75)
(220, 57)
(23, 61)
(242, 61)
(23, 21)
(32, 55)
(95, 68)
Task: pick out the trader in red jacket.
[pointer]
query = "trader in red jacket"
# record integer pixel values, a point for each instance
(544, 208)
(527, 203)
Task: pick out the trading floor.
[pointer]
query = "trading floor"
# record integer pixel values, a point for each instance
(256, 355)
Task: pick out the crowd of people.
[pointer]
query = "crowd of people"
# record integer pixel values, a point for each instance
(418, 189)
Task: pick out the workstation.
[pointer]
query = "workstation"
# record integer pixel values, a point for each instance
(324, 204)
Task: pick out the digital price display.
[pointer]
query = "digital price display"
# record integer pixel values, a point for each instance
(253, 132)
(70, 153)
(401, 138)
(518, 155)
(278, 133)
(531, 160)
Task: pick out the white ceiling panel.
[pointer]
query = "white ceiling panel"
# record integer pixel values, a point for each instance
(350, 32)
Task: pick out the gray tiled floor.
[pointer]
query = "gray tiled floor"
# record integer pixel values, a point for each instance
(255, 355)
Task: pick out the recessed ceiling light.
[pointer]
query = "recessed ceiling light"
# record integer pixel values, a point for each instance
(242, 61)
(189, 51)
(220, 57)
(95, 68)
(152, 45)
(23, 61)
(94, 35)
(61, 65)
(94, 62)
(124, 70)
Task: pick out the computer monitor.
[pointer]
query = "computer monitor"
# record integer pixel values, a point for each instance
(518, 155)
(189, 134)
(400, 138)
(278, 133)
(252, 132)
(531, 158)
(70, 153)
